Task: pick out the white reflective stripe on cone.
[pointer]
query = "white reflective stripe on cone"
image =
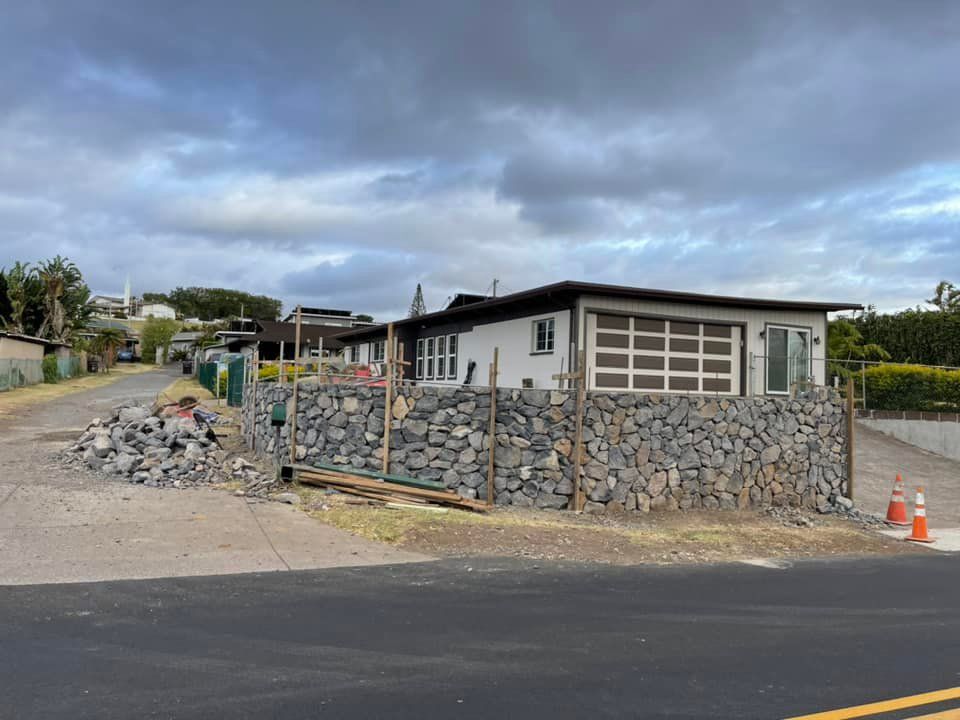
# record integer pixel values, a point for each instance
(920, 499)
(921, 512)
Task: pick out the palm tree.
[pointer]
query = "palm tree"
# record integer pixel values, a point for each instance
(60, 277)
(946, 297)
(106, 343)
(20, 281)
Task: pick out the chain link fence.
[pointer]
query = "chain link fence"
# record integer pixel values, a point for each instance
(19, 373)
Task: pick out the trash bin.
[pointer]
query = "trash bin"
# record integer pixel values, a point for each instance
(93, 365)
(187, 367)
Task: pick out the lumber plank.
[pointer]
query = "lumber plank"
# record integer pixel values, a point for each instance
(341, 479)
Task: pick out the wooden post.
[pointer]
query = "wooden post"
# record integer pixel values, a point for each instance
(296, 375)
(577, 380)
(256, 405)
(494, 371)
(280, 374)
(578, 437)
(851, 417)
(388, 402)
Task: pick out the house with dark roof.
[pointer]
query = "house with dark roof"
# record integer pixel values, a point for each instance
(632, 338)
(275, 339)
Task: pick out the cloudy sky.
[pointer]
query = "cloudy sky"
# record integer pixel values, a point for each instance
(336, 154)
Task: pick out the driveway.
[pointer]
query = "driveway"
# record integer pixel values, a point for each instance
(880, 457)
(62, 526)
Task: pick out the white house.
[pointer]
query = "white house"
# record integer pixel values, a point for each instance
(633, 339)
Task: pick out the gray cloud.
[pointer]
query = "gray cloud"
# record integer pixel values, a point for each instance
(337, 154)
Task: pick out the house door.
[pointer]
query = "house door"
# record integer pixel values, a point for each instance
(788, 358)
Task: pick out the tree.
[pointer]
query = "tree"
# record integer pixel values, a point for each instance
(417, 307)
(364, 318)
(106, 342)
(64, 294)
(23, 291)
(845, 344)
(946, 297)
(157, 333)
(5, 306)
(220, 303)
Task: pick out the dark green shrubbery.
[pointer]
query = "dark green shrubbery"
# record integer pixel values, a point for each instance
(51, 374)
(909, 387)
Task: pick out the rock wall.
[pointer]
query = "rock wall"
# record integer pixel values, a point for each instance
(641, 452)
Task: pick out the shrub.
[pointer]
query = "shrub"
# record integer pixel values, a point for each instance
(911, 387)
(51, 373)
(268, 373)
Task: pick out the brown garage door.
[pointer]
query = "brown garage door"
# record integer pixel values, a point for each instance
(657, 355)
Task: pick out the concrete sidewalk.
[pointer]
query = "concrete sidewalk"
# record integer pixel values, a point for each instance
(62, 526)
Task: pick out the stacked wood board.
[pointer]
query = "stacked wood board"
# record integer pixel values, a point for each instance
(380, 486)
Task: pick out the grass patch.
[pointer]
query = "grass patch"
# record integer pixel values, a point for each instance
(13, 401)
(187, 386)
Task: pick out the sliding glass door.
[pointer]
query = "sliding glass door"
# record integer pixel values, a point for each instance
(788, 358)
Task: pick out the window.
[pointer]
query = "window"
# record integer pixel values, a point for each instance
(788, 358)
(315, 352)
(441, 356)
(378, 351)
(543, 335)
(430, 348)
(452, 357)
(420, 359)
(354, 354)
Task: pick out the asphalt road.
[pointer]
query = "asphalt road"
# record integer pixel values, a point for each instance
(484, 640)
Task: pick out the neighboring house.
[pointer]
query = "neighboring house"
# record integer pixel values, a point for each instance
(95, 324)
(331, 318)
(157, 310)
(111, 306)
(275, 339)
(184, 341)
(107, 306)
(633, 338)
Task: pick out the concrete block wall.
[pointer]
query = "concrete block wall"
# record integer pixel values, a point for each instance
(641, 452)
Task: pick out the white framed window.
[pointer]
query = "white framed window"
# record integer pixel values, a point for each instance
(543, 335)
(419, 368)
(354, 354)
(431, 345)
(315, 352)
(452, 357)
(788, 358)
(441, 357)
(378, 350)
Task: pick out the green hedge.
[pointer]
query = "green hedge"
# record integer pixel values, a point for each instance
(909, 387)
(51, 371)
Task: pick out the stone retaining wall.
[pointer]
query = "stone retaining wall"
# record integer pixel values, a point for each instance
(641, 452)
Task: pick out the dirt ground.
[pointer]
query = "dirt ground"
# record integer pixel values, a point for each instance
(16, 401)
(658, 538)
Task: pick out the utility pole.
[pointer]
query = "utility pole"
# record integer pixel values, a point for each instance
(495, 281)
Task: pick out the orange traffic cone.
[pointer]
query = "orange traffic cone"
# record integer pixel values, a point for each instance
(897, 509)
(919, 533)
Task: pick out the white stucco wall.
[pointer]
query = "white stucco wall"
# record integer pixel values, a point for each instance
(942, 438)
(515, 340)
(755, 320)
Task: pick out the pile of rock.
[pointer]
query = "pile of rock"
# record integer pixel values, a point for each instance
(158, 451)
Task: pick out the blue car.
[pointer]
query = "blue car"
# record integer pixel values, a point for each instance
(126, 356)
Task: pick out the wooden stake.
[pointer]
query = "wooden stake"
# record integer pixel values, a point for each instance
(388, 401)
(280, 374)
(851, 417)
(494, 371)
(577, 380)
(256, 404)
(296, 375)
